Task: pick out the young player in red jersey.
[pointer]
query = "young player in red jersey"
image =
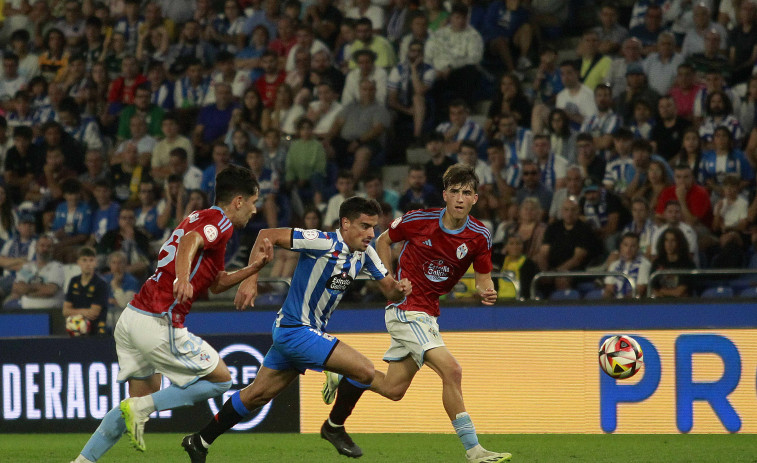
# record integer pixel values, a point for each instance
(440, 245)
(151, 339)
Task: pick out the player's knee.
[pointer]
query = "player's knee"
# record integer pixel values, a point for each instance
(454, 373)
(221, 386)
(365, 374)
(397, 392)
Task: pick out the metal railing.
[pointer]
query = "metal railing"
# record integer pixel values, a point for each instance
(509, 276)
(697, 272)
(598, 274)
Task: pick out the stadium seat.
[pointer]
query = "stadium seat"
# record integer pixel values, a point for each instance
(718, 292)
(594, 294)
(565, 295)
(749, 292)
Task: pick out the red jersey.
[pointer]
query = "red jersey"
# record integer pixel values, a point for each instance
(434, 258)
(267, 90)
(156, 295)
(697, 200)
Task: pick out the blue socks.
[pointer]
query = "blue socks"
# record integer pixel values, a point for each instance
(465, 430)
(107, 434)
(174, 396)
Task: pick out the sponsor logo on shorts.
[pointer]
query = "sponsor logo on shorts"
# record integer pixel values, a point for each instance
(211, 232)
(339, 283)
(310, 234)
(204, 357)
(436, 270)
(462, 251)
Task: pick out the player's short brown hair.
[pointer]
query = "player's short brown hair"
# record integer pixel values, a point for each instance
(460, 174)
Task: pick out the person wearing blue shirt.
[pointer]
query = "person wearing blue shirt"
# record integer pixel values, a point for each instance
(221, 160)
(721, 161)
(506, 26)
(213, 122)
(122, 285)
(105, 216)
(72, 223)
(147, 213)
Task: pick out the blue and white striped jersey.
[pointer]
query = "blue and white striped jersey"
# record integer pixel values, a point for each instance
(326, 269)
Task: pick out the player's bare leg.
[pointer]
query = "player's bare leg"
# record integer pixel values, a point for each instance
(113, 426)
(449, 370)
(395, 382)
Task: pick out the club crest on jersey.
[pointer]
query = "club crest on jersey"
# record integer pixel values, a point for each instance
(396, 222)
(436, 270)
(211, 233)
(462, 251)
(310, 234)
(339, 283)
(194, 216)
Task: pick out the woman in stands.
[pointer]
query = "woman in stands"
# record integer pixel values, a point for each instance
(562, 138)
(657, 180)
(690, 152)
(672, 254)
(285, 112)
(529, 227)
(509, 99)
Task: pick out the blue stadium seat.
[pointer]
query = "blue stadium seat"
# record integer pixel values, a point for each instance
(565, 295)
(749, 292)
(584, 287)
(718, 292)
(594, 294)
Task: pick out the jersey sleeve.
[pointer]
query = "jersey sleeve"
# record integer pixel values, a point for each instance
(214, 227)
(399, 229)
(310, 240)
(373, 267)
(483, 261)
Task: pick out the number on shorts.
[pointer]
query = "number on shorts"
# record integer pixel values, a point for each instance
(170, 247)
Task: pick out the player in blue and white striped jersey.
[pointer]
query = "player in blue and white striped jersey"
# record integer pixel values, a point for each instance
(329, 263)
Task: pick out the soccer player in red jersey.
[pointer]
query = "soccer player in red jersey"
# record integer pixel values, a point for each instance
(440, 245)
(151, 339)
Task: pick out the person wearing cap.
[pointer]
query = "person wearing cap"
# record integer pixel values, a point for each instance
(637, 87)
(366, 69)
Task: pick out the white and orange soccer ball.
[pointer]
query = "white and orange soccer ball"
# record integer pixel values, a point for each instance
(621, 356)
(77, 325)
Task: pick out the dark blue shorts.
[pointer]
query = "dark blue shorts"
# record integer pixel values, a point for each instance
(299, 348)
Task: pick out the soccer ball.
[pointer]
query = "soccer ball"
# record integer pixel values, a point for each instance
(621, 356)
(77, 325)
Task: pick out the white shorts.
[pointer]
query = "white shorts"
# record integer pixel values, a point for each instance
(147, 344)
(413, 333)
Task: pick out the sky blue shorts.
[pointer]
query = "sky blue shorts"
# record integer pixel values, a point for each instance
(299, 348)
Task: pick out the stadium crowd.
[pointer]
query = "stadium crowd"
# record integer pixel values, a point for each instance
(638, 155)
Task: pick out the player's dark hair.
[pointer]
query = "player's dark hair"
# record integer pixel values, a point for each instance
(460, 174)
(352, 207)
(234, 181)
(86, 251)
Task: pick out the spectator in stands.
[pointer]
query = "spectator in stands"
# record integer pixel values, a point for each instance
(720, 114)
(439, 162)
(221, 159)
(345, 186)
(574, 182)
(364, 9)
(54, 58)
(695, 39)
(128, 24)
(21, 111)
(408, 86)
(105, 214)
(532, 186)
(630, 54)
(23, 164)
(226, 72)
(268, 181)
(487, 202)
(667, 134)
(285, 260)
(190, 90)
(711, 57)
(460, 127)
(54, 173)
(152, 114)
(595, 67)
(724, 159)
(212, 123)
(123, 90)
(148, 211)
(11, 81)
(419, 31)
(690, 152)
(145, 143)
(747, 108)
(196, 200)
(642, 122)
(518, 140)
(567, 244)
(610, 33)
(373, 185)
(632, 263)
(299, 77)
(366, 70)
(83, 129)
(549, 16)
(73, 221)
(305, 41)
(88, 294)
(528, 227)
(325, 19)
(592, 165)
(506, 27)
(324, 110)
(419, 194)
(126, 175)
(306, 165)
(742, 41)
(454, 51)
(322, 70)
(673, 218)
(274, 151)
(228, 31)
(685, 90)
(191, 175)
(17, 251)
(28, 62)
(508, 99)
(358, 135)
(649, 31)
(130, 240)
(562, 138)
(637, 88)
(662, 65)
(672, 254)
(250, 117)
(268, 84)
(121, 285)
(190, 45)
(504, 166)
(576, 99)
(365, 38)
(730, 221)
(285, 113)
(604, 122)
(547, 83)
(604, 212)
(39, 283)
(511, 258)
(714, 82)
(159, 160)
(551, 166)
(620, 171)
(641, 225)
(55, 137)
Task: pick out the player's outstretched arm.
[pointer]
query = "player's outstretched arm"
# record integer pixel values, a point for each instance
(259, 257)
(395, 290)
(485, 288)
(248, 290)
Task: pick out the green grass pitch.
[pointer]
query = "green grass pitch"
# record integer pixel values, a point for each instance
(411, 448)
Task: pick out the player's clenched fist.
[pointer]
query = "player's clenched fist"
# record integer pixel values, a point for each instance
(405, 286)
(488, 296)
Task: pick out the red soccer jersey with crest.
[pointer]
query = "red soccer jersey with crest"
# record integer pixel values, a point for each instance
(434, 258)
(156, 295)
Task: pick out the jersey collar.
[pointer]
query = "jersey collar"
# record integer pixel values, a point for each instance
(341, 239)
(221, 211)
(445, 229)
